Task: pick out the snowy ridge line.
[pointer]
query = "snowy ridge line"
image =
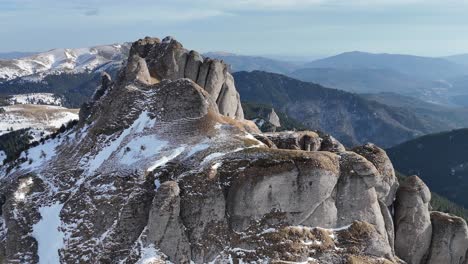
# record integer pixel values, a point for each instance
(57, 61)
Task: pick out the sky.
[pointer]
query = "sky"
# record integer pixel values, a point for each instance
(304, 28)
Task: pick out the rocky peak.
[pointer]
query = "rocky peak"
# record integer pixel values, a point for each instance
(157, 171)
(152, 60)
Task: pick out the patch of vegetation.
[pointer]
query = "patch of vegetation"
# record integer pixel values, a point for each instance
(14, 143)
(75, 88)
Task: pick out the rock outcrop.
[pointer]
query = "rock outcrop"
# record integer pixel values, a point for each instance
(159, 169)
(449, 239)
(412, 220)
(152, 60)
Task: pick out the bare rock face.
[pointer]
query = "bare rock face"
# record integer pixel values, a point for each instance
(273, 118)
(359, 176)
(412, 220)
(151, 61)
(387, 184)
(449, 239)
(165, 228)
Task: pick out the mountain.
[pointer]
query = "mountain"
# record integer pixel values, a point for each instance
(15, 55)
(252, 63)
(435, 116)
(57, 61)
(363, 80)
(421, 67)
(458, 58)
(440, 159)
(340, 113)
(162, 167)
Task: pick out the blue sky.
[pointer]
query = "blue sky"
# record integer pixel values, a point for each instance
(281, 27)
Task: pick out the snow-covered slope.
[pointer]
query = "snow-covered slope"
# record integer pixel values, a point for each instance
(64, 60)
(36, 98)
(41, 118)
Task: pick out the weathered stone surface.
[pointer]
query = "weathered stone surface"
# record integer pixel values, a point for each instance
(413, 229)
(137, 70)
(228, 98)
(273, 118)
(192, 67)
(329, 143)
(387, 183)
(165, 227)
(295, 184)
(449, 239)
(216, 78)
(305, 140)
(356, 197)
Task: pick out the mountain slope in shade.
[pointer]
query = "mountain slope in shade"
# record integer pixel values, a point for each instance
(440, 159)
(58, 61)
(423, 67)
(349, 117)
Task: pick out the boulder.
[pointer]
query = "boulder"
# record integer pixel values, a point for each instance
(331, 144)
(449, 239)
(273, 118)
(356, 197)
(413, 229)
(387, 183)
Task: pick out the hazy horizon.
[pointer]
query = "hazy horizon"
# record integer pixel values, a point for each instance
(316, 28)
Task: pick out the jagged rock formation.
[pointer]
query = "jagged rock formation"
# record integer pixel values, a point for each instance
(152, 60)
(157, 171)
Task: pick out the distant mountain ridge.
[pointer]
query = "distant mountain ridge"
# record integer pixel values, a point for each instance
(252, 63)
(58, 61)
(407, 64)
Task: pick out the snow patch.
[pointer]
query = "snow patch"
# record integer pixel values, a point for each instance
(36, 98)
(142, 122)
(23, 188)
(149, 255)
(166, 159)
(48, 235)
